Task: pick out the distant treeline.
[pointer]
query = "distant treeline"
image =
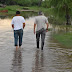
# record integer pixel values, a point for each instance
(21, 2)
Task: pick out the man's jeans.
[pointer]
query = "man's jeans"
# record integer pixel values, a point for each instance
(18, 34)
(42, 32)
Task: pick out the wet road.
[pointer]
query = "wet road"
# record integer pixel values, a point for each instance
(53, 58)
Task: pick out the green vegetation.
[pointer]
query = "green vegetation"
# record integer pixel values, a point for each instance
(45, 10)
(20, 2)
(12, 9)
(59, 11)
(64, 39)
(63, 35)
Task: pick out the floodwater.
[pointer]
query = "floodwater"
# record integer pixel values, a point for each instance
(53, 58)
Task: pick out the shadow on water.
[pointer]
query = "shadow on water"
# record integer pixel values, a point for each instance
(17, 61)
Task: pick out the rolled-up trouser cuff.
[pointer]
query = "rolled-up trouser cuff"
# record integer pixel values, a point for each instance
(19, 45)
(15, 45)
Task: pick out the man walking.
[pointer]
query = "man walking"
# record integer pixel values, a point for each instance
(40, 21)
(18, 24)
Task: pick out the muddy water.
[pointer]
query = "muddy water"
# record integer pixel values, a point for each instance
(53, 58)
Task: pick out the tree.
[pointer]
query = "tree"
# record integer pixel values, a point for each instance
(45, 3)
(35, 2)
(40, 2)
(61, 9)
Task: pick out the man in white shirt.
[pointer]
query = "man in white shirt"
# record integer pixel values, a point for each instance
(18, 24)
(42, 27)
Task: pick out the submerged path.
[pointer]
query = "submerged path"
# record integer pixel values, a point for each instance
(53, 58)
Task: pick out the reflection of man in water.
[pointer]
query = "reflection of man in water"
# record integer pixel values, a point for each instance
(17, 61)
(40, 21)
(18, 24)
(39, 62)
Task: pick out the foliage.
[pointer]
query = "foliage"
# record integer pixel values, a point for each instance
(20, 2)
(45, 4)
(58, 8)
(34, 2)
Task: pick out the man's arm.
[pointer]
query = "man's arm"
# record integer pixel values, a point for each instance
(23, 25)
(34, 28)
(13, 26)
(47, 27)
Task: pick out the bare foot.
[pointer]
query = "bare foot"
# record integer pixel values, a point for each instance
(19, 46)
(16, 47)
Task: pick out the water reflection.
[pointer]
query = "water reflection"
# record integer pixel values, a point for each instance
(39, 62)
(17, 61)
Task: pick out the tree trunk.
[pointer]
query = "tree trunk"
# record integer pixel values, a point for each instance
(67, 16)
(40, 3)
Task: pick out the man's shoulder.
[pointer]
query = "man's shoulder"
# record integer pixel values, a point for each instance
(22, 16)
(41, 16)
(37, 17)
(44, 16)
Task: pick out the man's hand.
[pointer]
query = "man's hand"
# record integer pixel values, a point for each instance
(23, 25)
(34, 28)
(46, 30)
(47, 27)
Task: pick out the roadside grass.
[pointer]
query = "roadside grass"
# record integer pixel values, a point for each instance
(65, 39)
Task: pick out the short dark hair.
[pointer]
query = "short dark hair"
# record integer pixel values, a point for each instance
(17, 12)
(40, 13)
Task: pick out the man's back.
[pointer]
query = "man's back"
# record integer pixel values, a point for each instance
(18, 22)
(40, 21)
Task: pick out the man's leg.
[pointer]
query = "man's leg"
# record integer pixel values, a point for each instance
(37, 39)
(20, 37)
(42, 39)
(16, 38)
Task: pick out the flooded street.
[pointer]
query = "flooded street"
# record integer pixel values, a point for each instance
(53, 58)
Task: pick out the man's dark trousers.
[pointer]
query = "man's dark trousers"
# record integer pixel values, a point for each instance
(42, 33)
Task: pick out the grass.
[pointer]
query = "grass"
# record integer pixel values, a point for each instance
(65, 39)
(12, 9)
(45, 10)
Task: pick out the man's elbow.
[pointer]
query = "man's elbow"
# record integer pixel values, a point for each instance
(13, 26)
